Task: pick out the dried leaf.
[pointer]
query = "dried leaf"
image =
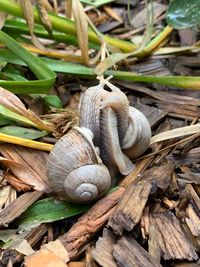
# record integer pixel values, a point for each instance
(4, 194)
(29, 16)
(2, 19)
(58, 249)
(23, 173)
(13, 103)
(23, 247)
(68, 8)
(43, 257)
(29, 165)
(178, 132)
(81, 29)
(44, 16)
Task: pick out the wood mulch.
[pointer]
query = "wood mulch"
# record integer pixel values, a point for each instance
(152, 219)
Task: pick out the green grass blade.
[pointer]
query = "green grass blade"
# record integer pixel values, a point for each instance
(45, 75)
(188, 82)
(54, 210)
(22, 132)
(65, 26)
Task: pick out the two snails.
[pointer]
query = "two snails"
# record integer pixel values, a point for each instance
(83, 163)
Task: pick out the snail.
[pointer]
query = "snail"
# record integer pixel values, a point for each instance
(84, 162)
(75, 171)
(121, 132)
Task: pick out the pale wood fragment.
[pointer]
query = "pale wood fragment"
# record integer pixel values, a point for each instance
(17, 207)
(104, 249)
(167, 238)
(128, 253)
(130, 208)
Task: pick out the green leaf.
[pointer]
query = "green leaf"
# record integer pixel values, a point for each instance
(4, 120)
(45, 75)
(22, 132)
(48, 210)
(183, 14)
(96, 3)
(9, 114)
(53, 101)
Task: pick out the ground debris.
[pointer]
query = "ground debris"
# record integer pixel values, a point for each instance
(167, 236)
(128, 253)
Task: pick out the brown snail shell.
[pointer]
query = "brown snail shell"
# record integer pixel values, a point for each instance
(75, 171)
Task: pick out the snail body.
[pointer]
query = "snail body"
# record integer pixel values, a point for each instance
(84, 162)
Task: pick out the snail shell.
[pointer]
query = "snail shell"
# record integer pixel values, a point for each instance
(75, 171)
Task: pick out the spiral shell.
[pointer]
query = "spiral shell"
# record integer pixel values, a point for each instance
(75, 171)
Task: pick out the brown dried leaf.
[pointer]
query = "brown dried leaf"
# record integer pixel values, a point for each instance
(24, 174)
(81, 29)
(29, 16)
(68, 8)
(44, 16)
(29, 165)
(18, 184)
(2, 19)
(13, 103)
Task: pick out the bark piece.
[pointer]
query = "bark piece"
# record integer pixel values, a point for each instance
(104, 248)
(129, 253)
(130, 208)
(17, 207)
(76, 239)
(167, 238)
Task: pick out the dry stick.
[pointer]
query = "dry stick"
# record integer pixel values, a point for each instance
(167, 147)
(76, 239)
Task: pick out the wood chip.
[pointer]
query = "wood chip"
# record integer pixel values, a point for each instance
(76, 239)
(129, 253)
(104, 249)
(130, 208)
(17, 207)
(167, 238)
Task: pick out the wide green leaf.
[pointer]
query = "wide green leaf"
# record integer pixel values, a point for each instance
(48, 210)
(53, 101)
(22, 132)
(183, 14)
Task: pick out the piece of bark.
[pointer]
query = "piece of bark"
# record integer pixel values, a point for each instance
(104, 249)
(17, 207)
(160, 176)
(167, 239)
(189, 177)
(188, 158)
(32, 238)
(193, 221)
(128, 253)
(160, 95)
(129, 210)
(76, 239)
